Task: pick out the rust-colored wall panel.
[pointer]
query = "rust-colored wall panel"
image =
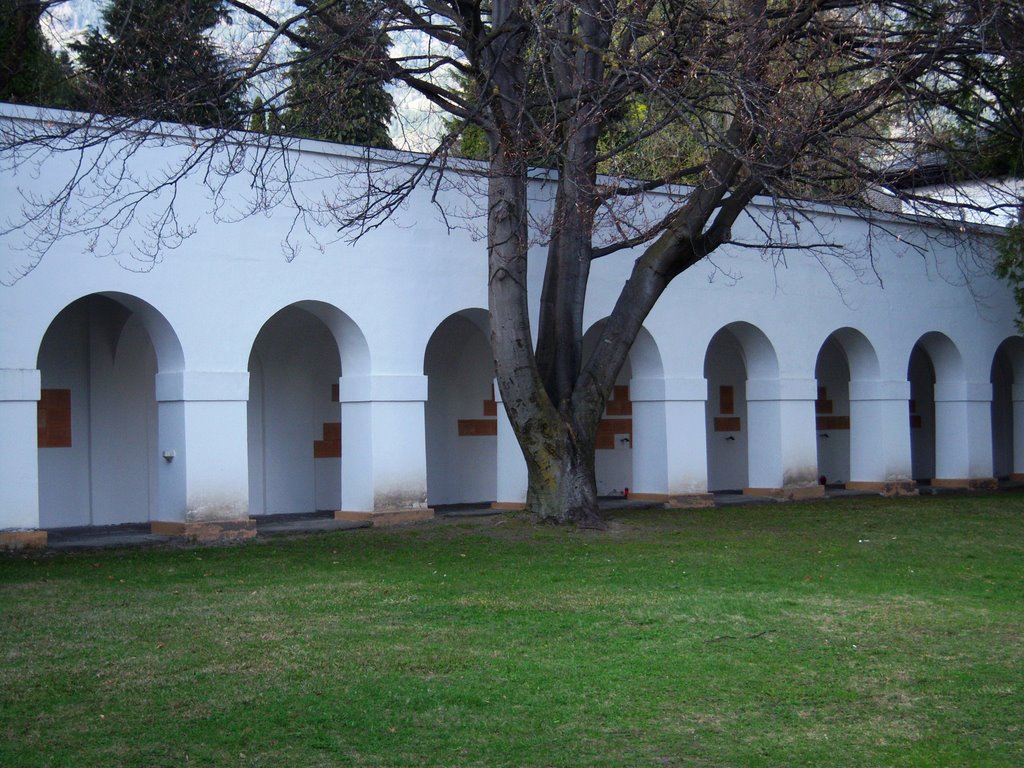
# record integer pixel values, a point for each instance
(823, 404)
(727, 424)
(620, 404)
(327, 449)
(726, 399)
(915, 421)
(832, 422)
(490, 408)
(478, 427)
(330, 446)
(607, 429)
(335, 393)
(615, 427)
(53, 414)
(619, 408)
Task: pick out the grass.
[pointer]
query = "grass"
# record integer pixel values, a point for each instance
(859, 632)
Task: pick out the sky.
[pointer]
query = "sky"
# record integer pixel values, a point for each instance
(415, 127)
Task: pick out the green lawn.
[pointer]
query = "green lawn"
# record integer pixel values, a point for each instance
(860, 632)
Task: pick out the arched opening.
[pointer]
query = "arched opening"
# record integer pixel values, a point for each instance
(737, 442)
(294, 414)
(850, 429)
(1006, 365)
(726, 419)
(630, 449)
(832, 412)
(99, 423)
(848, 432)
(461, 415)
(921, 373)
(938, 442)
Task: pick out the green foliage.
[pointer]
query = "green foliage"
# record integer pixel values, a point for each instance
(30, 72)
(338, 80)
(155, 59)
(274, 123)
(632, 153)
(472, 140)
(258, 118)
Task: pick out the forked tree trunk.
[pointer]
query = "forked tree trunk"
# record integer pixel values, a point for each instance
(554, 399)
(558, 445)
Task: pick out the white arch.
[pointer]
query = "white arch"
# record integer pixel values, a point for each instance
(353, 349)
(1007, 375)
(944, 355)
(861, 356)
(165, 341)
(113, 400)
(852, 422)
(461, 414)
(759, 356)
(293, 413)
(635, 457)
(953, 419)
(1013, 348)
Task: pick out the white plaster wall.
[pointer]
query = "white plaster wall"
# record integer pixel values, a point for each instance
(614, 468)
(64, 481)
(123, 426)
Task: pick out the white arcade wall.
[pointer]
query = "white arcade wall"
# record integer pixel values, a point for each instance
(226, 380)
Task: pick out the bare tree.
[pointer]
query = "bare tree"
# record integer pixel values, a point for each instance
(795, 99)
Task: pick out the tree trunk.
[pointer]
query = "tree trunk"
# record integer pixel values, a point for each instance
(562, 484)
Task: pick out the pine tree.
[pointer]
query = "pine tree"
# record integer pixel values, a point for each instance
(338, 82)
(155, 60)
(258, 118)
(30, 72)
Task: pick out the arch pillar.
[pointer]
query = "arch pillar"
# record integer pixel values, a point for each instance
(383, 448)
(782, 448)
(19, 464)
(204, 476)
(513, 479)
(880, 455)
(963, 435)
(674, 468)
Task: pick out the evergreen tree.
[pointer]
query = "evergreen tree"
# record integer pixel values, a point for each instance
(258, 118)
(30, 72)
(155, 60)
(337, 81)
